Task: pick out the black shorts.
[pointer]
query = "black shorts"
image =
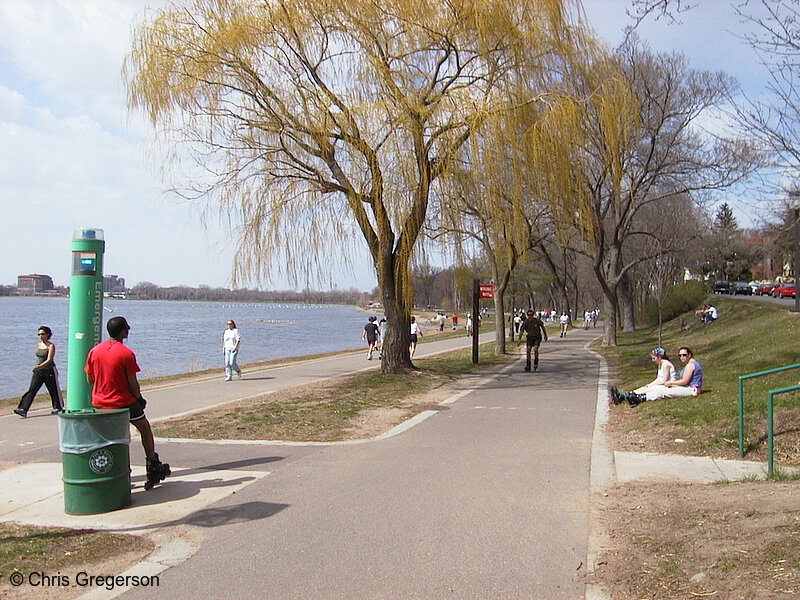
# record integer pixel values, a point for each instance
(534, 340)
(413, 338)
(137, 410)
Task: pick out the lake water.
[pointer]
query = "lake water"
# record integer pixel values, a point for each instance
(177, 337)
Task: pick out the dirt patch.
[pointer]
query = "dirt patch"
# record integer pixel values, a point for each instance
(724, 541)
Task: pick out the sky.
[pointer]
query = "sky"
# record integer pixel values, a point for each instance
(71, 154)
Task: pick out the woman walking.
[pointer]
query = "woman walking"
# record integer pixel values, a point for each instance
(44, 373)
(415, 333)
(230, 349)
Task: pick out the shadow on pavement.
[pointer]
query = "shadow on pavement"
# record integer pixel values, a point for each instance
(240, 513)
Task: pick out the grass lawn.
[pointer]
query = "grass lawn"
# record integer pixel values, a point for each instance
(330, 411)
(750, 336)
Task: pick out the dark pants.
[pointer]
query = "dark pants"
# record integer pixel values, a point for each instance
(48, 378)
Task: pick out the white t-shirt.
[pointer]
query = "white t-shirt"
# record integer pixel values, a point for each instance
(666, 372)
(230, 338)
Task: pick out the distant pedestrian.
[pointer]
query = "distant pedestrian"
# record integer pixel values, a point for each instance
(469, 324)
(231, 339)
(535, 331)
(370, 335)
(44, 373)
(564, 321)
(111, 371)
(587, 318)
(440, 319)
(454, 320)
(416, 332)
(381, 336)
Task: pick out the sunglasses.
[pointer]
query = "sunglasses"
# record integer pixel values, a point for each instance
(683, 354)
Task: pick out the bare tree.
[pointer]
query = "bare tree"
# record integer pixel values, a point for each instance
(775, 118)
(645, 151)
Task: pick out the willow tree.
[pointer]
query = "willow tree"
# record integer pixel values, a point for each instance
(490, 204)
(319, 120)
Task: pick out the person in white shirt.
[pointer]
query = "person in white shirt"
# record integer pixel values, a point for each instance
(415, 331)
(230, 349)
(564, 320)
(653, 390)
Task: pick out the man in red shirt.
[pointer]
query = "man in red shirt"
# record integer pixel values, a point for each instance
(111, 371)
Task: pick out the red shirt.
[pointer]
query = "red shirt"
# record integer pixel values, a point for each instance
(109, 364)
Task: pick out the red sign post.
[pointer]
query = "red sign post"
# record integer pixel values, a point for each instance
(487, 290)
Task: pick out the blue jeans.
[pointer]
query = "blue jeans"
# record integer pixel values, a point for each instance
(230, 363)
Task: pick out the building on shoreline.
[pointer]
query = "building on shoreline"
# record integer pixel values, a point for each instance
(29, 285)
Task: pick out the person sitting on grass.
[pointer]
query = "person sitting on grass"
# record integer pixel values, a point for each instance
(689, 383)
(708, 314)
(666, 372)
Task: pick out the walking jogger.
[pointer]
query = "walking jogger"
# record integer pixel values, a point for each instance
(44, 373)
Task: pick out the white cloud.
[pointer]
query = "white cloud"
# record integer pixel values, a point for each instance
(12, 104)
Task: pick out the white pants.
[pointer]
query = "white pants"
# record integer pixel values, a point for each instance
(656, 392)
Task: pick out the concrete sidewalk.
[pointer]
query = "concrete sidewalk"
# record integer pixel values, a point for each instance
(33, 492)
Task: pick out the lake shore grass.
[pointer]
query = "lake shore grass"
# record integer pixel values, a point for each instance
(749, 337)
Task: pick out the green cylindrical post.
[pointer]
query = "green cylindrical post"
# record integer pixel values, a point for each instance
(94, 443)
(85, 311)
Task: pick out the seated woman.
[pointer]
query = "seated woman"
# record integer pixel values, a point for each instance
(666, 372)
(689, 382)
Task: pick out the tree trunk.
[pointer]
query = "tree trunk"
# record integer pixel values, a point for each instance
(610, 319)
(395, 353)
(625, 294)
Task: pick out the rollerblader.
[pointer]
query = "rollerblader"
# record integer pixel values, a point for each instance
(535, 331)
(111, 371)
(156, 472)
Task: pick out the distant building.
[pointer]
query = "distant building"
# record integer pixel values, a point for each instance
(112, 283)
(27, 285)
(771, 260)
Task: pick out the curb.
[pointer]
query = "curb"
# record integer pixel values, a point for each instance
(601, 477)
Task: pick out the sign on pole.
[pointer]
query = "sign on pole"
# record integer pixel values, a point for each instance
(486, 290)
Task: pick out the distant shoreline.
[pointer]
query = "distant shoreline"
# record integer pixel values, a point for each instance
(46, 297)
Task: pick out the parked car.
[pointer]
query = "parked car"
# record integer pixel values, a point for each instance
(723, 286)
(741, 287)
(765, 289)
(787, 290)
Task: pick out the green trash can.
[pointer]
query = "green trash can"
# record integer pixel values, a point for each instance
(95, 459)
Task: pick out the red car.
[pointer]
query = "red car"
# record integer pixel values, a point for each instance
(787, 290)
(765, 289)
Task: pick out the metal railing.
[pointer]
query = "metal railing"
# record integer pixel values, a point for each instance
(770, 410)
(770, 434)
